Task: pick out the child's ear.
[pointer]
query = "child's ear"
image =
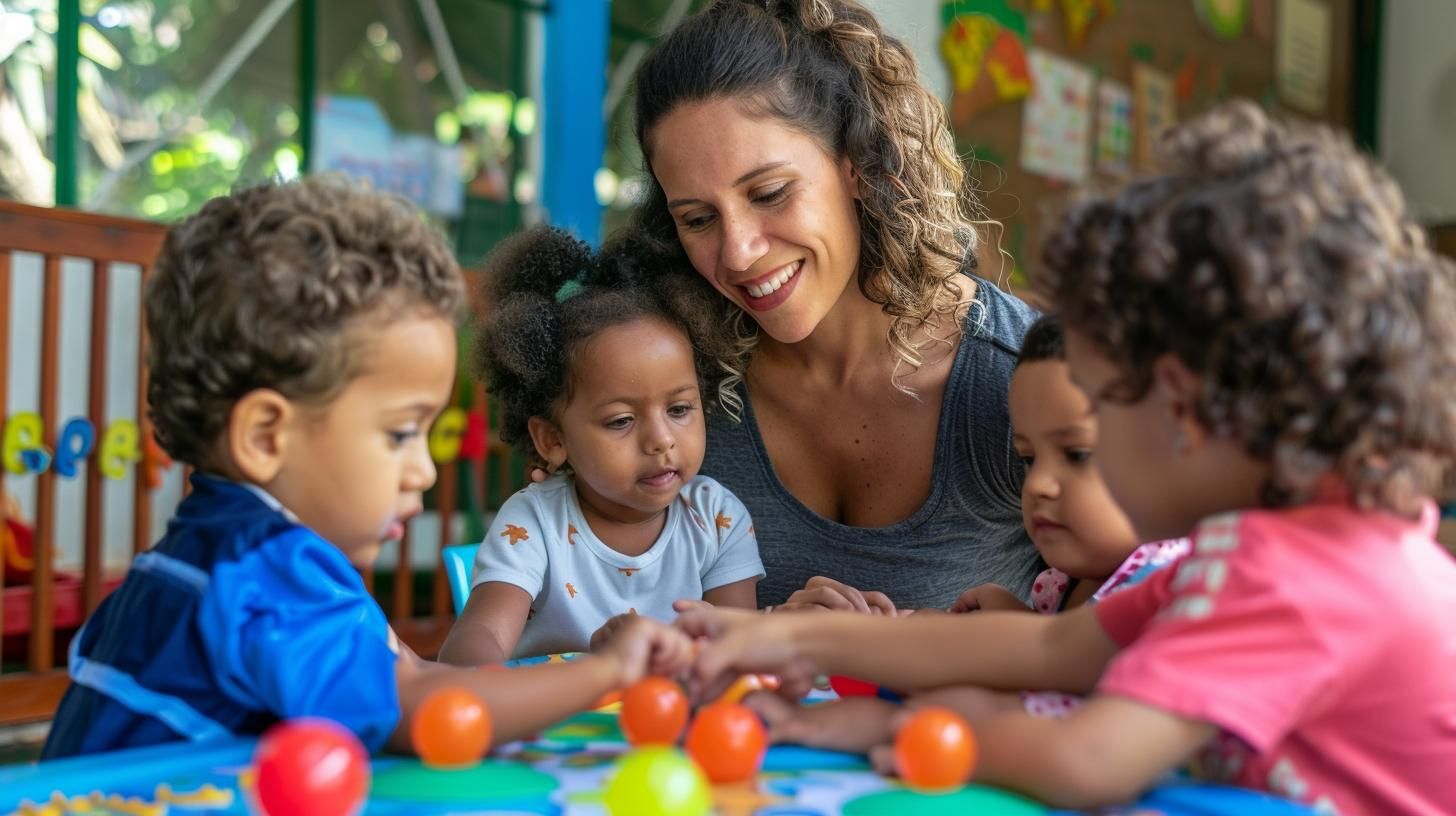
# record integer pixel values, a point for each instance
(550, 444)
(1180, 388)
(255, 435)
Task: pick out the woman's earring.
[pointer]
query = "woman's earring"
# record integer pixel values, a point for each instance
(1180, 442)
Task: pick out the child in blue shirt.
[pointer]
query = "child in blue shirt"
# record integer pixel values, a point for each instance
(301, 343)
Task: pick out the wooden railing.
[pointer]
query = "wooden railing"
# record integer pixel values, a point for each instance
(54, 606)
(55, 234)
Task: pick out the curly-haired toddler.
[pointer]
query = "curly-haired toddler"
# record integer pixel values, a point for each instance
(601, 381)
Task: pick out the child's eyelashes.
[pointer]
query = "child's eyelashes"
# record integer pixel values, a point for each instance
(1074, 456)
(617, 423)
(621, 423)
(400, 436)
(1079, 456)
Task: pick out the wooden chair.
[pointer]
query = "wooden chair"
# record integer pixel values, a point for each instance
(104, 240)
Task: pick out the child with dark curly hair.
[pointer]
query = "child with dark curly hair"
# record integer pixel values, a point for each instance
(1268, 346)
(302, 340)
(600, 381)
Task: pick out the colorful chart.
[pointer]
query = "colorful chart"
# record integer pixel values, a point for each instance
(1057, 126)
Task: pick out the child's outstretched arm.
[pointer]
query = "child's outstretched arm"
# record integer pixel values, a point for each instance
(489, 626)
(1002, 650)
(522, 701)
(1107, 752)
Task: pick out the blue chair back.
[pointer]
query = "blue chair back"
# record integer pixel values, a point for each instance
(459, 561)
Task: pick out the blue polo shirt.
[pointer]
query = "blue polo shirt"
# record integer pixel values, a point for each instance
(239, 617)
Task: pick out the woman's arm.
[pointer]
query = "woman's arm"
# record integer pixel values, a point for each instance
(489, 626)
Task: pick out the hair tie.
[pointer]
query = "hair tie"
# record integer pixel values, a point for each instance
(568, 290)
(572, 287)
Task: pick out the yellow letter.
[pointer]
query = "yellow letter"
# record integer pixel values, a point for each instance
(120, 447)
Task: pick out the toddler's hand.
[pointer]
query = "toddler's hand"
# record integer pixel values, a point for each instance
(826, 593)
(641, 646)
(853, 724)
(741, 642)
(603, 634)
(986, 598)
(684, 604)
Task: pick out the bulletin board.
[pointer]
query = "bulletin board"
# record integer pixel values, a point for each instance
(1082, 60)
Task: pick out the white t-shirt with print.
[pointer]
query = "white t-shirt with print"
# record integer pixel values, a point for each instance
(540, 542)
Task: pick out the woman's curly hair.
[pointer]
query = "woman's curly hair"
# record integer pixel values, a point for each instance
(276, 287)
(1279, 264)
(547, 294)
(828, 69)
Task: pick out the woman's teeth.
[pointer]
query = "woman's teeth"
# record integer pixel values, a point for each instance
(772, 285)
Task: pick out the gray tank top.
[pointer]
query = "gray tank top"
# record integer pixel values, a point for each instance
(968, 532)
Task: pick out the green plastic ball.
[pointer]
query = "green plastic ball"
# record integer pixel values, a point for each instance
(657, 781)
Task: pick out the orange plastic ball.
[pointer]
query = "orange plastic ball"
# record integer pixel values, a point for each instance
(654, 712)
(728, 741)
(935, 750)
(451, 729)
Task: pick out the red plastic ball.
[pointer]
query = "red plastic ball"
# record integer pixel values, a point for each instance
(310, 767)
(654, 712)
(935, 750)
(728, 741)
(850, 687)
(451, 729)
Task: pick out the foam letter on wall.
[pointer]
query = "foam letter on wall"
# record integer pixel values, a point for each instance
(73, 446)
(24, 452)
(446, 436)
(120, 447)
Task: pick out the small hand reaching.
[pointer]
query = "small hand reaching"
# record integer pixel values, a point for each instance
(738, 642)
(826, 593)
(604, 632)
(987, 598)
(642, 646)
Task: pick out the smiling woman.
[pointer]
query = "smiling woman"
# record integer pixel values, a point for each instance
(800, 168)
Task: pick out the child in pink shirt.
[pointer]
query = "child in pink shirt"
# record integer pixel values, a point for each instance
(1270, 351)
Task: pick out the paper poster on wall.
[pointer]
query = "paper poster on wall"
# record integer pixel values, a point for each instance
(1080, 15)
(1057, 128)
(1154, 108)
(1114, 128)
(985, 50)
(1302, 54)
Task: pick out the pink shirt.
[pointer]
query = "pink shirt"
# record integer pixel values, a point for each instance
(1320, 640)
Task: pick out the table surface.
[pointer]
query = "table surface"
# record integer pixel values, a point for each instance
(563, 771)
